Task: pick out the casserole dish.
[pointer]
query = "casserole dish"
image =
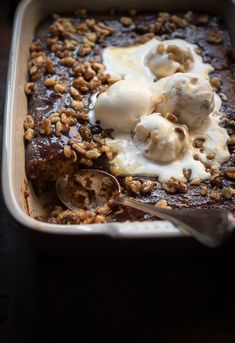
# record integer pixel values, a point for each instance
(18, 194)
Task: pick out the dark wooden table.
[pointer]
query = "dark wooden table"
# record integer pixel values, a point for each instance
(158, 298)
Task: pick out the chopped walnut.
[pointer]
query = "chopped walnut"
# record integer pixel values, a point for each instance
(77, 105)
(164, 15)
(171, 117)
(215, 37)
(173, 186)
(198, 142)
(210, 156)
(180, 22)
(230, 173)
(147, 186)
(28, 136)
(215, 82)
(161, 49)
(144, 38)
(196, 181)
(184, 57)
(58, 128)
(81, 84)
(67, 151)
(203, 19)
(126, 21)
(36, 46)
(228, 192)
(162, 204)
(50, 82)
(45, 126)
(75, 94)
(59, 87)
(28, 122)
(204, 190)
(54, 117)
(187, 173)
(133, 185)
(67, 61)
(29, 88)
(216, 194)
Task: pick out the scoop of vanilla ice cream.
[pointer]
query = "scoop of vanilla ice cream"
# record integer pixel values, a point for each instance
(159, 139)
(165, 60)
(189, 97)
(122, 105)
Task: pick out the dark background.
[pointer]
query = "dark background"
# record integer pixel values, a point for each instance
(188, 296)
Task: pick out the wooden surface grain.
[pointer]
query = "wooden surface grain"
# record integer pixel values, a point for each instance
(157, 298)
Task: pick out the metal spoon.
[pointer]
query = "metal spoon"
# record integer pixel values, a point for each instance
(209, 226)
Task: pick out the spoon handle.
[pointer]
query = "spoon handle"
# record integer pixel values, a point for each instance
(208, 226)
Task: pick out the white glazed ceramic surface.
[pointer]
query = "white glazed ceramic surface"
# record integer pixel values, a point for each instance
(14, 180)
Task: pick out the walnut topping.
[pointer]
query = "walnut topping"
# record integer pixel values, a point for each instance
(28, 136)
(162, 204)
(230, 173)
(133, 185)
(77, 105)
(50, 82)
(67, 61)
(126, 21)
(29, 122)
(216, 194)
(36, 46)
(228, 192)
(67, 151)
(187, 173)
(147, 186)
(75, 94)
(173, 186)
(144, 38)
(171, 117)
(204, 190)
(81, 84)
(59, 87)
(54, 117)
(215, 82)
(45, 126)
(29, 88)
(40, 65)
(161, 49)
(184, 57)
(210, 156)
(164, 15)
(196, 181)
(180, 22)
(58, 128)
(215, 37)
(198, 142)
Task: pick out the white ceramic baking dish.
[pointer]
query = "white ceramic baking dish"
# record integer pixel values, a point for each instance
(14, 180)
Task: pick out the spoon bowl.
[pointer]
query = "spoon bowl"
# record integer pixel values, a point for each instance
(90, 189)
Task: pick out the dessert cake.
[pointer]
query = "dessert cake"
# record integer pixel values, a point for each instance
(146, 97)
